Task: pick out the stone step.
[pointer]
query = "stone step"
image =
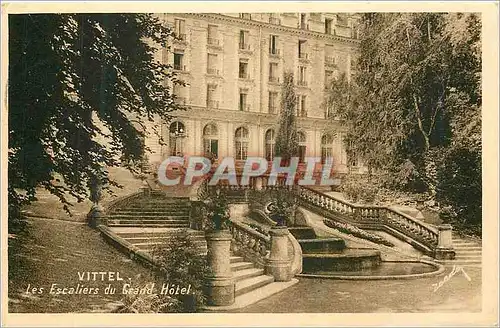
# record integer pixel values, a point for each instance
(150, 225)
(140, 223)
(163, 238)
(236, 259)
(247, 273)
(469, 248)
(162, 233)
(241, 266)
(459, 262)
(469, 251)
(147, 217)
(150, 247)
(202, 244)
(135, 206)
(149, 212)
(250, 284)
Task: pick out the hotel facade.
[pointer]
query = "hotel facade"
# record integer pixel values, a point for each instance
(233, 66)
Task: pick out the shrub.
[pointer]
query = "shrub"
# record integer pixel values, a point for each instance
(178, 261)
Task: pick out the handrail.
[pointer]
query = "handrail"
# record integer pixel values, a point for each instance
(249, 243)
(399, 220)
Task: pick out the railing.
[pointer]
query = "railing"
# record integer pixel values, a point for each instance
(213, 104)
(274, 52)
(249, 243)
(393, 218)
(330, 60)
(303, 56)
(213, 42)
(302, 83)
(274, 79)
(180, 37)
(212, 71)
(244, 46)
(274, 20)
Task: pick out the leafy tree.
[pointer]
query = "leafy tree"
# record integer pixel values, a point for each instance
(81, 87)
(414, 104)
(287, 144)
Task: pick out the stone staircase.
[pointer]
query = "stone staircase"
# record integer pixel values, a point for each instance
(154, 211)
(468, 252)
(148, 221)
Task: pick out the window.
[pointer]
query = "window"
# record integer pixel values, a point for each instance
(241, 143)
(342, 19)
(270, 139)
(273, 19)
(243, 99)
(178, 92)
(326, 149)
(343, 153)
(243, 70)
(177, 135)
(302, 49)
(213, 35)
(302, 76)
(328, 26)
(212, 101)
(245, 15)
(328, 78)
(211, 141)
(301, 109)
(178, 61)
(273, 72)
(179, 29)
(329, 55)
(303, 21)
(273, 45)
(301, 136)
(244, 40)
(212, 64)
(273, 102)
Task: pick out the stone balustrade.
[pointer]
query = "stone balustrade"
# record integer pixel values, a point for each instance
(402, 222)
(249, 243)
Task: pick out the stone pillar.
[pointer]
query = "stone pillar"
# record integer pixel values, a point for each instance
(219, 282)
(444, 249)
(278, 264)
(258, 183)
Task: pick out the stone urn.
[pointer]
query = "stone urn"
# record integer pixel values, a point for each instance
(219, 283)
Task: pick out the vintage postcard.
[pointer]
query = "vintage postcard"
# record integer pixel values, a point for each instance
(249, 163)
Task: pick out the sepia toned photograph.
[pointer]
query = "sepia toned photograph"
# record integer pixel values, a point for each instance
(255, 162)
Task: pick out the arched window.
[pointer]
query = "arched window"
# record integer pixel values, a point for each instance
(301, 136)
(326, 148)
(211, 141)
(270, 144)
(177, 135)
(241, 143)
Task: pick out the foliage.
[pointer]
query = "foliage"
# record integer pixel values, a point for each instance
(358, 190)
(282, 207)
(180, 263)
(214, 211)
(356, 232)
(81, 87)
(413, 106)
(287, 144)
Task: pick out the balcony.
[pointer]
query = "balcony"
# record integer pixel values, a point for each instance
(273, 109)
(213, 104)
(213, 42)
(302, 83)
(274, 79)
(244, 107)
(276, 53)
(180, 38)
(244, 76)
(244, 47)
(213, 71)
(330, 61)
(274, 20)
(303, 56)
(302, 113)
(180, 100)
(180, 68)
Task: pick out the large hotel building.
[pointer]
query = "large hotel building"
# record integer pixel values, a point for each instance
(233, 66)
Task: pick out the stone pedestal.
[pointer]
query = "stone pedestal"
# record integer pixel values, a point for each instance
(95, 215)
(219, 283)
(444, 249)
(278, 264)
